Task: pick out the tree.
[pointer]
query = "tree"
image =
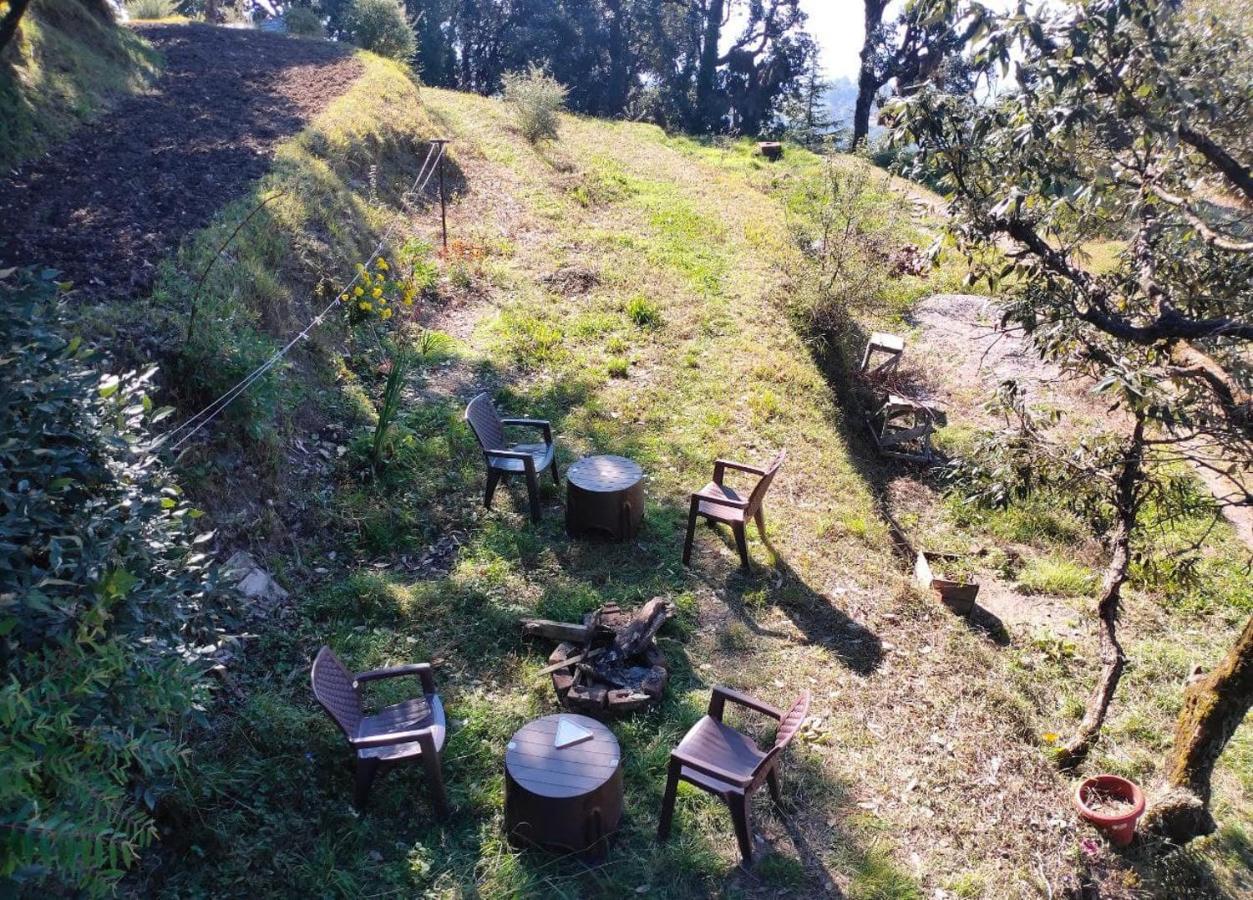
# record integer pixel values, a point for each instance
(1128, 121)
(805, 111)
(1212, 711)
(9, 22)
(732, 89)
(909, 50)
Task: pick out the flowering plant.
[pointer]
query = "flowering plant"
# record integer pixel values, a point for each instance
(377, 293)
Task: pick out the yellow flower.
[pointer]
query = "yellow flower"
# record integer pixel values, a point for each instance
(386, 314)
(343, 298)
(1050, 737)
(357, 292)
(377, 292)
(360, 268)
(382, 264)
(366, 305)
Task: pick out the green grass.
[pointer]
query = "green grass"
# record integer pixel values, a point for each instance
(1059, 577)
(64, 68)
(691, 246)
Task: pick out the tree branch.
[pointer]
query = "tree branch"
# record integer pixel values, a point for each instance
(1169, 323)
(1208, 234)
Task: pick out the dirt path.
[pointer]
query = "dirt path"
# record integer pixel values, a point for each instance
(107, 204)
(966, 357)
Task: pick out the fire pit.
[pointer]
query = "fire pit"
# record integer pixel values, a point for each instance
(610, 663)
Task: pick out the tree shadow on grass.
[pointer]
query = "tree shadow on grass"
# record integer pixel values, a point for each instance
(818, 619)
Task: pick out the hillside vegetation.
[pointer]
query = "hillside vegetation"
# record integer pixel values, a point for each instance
(674, 300)
(649, 295)
(66, 66)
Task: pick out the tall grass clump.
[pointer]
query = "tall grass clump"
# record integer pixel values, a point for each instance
(535, 98)
(151, 9)
(382, 27)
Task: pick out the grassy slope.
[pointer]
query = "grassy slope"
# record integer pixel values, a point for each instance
(64, 68)
(925, 769)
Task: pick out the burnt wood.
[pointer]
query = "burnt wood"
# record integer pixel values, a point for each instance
(718, 502)
(412, 730)
(563, 799)
(724, 762)
(611, 663)
(503, 459)
(604, 494)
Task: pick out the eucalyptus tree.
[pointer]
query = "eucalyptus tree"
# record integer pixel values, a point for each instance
(1130, 121)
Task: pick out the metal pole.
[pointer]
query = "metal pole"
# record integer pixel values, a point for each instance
(443, 202)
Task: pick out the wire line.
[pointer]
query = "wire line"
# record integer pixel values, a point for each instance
(206, 415)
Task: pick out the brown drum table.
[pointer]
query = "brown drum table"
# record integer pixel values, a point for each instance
(566, 799)
(605, 494)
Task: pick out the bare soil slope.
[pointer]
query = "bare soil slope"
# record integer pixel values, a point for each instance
(107, 204)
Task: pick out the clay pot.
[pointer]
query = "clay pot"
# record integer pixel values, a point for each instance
(1120, 828)
(958, 596)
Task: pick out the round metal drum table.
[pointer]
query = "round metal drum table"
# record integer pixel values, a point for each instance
(563, 785)
(604, 494)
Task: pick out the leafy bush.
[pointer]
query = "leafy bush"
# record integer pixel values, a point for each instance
(382, 27)
(151, 9)
(304, 22)
(535, 98)
(102, 592)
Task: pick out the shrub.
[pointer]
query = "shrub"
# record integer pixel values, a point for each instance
(304, 22)
(535, 98)
(382, 27)
(102, 591)
(151, 9)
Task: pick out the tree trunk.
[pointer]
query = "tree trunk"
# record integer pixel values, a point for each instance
(1113, 660)
(706, 72)
(1212, 711)
(617, 88)
(868, 82)
(8, 25)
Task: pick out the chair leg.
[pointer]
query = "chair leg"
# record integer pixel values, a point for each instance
(435, 779)
(667, 801)
(532, 490)
(366, 770)
(691, 533)
(772, 779)
(556, 474)
(743, 827)
(741, 543)
(760, 518)
(493, 478)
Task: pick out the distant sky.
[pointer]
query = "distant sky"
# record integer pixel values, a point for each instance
(837, 26)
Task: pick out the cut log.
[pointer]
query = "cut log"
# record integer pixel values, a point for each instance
(563, 631)
(643, 627)
(571, 661)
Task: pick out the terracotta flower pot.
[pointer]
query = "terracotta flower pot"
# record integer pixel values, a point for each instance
(1120, 827)
(958, 596)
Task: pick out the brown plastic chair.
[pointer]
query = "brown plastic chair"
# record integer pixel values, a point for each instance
(504, 459)
(718, 759)
(414, 729)
(719, 503)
